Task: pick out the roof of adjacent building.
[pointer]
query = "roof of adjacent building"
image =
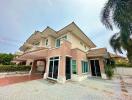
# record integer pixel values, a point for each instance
(100, 52)
(115, 55)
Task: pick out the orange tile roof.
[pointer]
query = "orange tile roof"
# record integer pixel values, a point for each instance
(101, 52)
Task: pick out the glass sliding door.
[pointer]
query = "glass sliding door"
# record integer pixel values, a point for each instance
(95, 68)
(53, 67)
(55, 71)
(50, 68)
(68, 68)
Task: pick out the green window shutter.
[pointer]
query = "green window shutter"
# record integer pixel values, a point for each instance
(74, 67)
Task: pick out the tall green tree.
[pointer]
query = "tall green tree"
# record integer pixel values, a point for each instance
(5, 59)
(119, 13)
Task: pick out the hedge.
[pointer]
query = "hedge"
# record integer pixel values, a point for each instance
(12, 68)
(123, 65)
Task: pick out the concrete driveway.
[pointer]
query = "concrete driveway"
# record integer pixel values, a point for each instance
(90, 89)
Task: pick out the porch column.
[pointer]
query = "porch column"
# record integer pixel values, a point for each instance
(34, 67)
(102, 70)
(46, 68)
(61, 70)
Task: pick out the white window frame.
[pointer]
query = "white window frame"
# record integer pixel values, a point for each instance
(53, 68)
(82, 66)
(46, 42)
(76, 66)
(61, 37)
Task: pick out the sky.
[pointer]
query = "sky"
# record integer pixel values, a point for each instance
(20, 18)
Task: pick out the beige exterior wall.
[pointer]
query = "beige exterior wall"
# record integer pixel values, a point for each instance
(51, 41)
(76, 42)
(29, 61)
(42, 42)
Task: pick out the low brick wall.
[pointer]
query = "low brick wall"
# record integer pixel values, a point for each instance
(16, 73)
(123, 71)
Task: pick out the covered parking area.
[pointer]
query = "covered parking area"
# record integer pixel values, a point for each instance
(38, 57)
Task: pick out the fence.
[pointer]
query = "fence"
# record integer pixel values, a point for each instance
(123, 71)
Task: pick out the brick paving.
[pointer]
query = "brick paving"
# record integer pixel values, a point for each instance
(17, 79)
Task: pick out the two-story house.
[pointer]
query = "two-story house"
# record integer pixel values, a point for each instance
(64, 54)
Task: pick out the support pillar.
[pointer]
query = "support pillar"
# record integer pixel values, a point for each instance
(33, 68)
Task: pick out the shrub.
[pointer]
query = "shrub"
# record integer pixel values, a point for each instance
(123, 65)
(109, 70)
(12, 68)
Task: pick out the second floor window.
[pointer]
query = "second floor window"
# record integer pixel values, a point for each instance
(36, 43)
(64, 37)
(81, 43)
(58, 43)
(46, 42)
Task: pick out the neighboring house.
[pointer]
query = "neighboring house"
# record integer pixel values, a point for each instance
(64, 54)
(118, 58)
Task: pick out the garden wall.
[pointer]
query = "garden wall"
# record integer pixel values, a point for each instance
(123, 71)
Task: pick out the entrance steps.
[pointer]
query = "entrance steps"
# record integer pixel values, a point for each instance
(51, 81)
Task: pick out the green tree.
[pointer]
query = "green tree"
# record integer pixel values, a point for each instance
(6, 59)
(119, 13)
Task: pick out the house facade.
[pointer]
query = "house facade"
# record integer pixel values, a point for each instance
(63, 55)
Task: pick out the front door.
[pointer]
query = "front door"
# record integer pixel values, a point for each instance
(95, 67)
(68, 68)
(53, 67)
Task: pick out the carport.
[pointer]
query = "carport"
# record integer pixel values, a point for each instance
(36, 55)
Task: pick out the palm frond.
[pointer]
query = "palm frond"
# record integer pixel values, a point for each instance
(106, 13)
(115, 42)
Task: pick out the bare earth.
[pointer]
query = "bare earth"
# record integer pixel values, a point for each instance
(90, 89)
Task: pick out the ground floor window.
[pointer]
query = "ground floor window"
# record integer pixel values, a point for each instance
(53, 67)
(74, 67)
(84, 66)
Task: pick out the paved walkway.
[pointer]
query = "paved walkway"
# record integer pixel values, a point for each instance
(17, 79)
(126, 86)
(89, 89)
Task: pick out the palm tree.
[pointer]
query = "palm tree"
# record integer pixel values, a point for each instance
(119, 13)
